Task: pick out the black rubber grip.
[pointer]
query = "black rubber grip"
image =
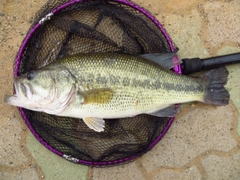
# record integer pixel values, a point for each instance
(191, 65)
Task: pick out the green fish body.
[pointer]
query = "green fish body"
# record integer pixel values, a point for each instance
(110, 85)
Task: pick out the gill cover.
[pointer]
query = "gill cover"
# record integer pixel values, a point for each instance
(50, 89)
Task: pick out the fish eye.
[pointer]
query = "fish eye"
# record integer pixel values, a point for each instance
(31, 75)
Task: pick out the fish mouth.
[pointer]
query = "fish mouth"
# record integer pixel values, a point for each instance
(22, 92)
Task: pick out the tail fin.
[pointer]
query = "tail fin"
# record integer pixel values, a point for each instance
(216, 93)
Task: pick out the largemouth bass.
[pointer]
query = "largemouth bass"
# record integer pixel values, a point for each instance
(110, 85)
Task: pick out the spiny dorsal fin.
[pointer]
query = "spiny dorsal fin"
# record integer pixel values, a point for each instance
(167, 60)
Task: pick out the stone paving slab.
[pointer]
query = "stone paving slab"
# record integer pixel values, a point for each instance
(202, 143)
(52, 166)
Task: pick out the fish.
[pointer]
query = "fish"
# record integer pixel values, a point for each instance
(97, 86)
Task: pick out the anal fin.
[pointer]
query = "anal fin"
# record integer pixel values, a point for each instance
(169, 111)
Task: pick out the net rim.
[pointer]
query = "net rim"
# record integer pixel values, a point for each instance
(177, 69)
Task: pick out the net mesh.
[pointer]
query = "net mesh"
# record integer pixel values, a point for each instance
(93, 26)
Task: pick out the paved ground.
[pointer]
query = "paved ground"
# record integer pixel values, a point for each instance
(202, 143)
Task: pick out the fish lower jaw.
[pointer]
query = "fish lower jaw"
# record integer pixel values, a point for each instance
(13, 100)
(21, 101)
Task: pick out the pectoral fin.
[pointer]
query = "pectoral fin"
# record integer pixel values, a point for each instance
(97, 124)
(98, 96)
(170, 111)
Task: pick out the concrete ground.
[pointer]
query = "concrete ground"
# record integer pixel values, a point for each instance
(202, 143)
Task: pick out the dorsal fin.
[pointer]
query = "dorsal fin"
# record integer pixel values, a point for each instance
(167, 60)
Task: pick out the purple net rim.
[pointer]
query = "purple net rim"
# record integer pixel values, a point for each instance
(177, 69)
